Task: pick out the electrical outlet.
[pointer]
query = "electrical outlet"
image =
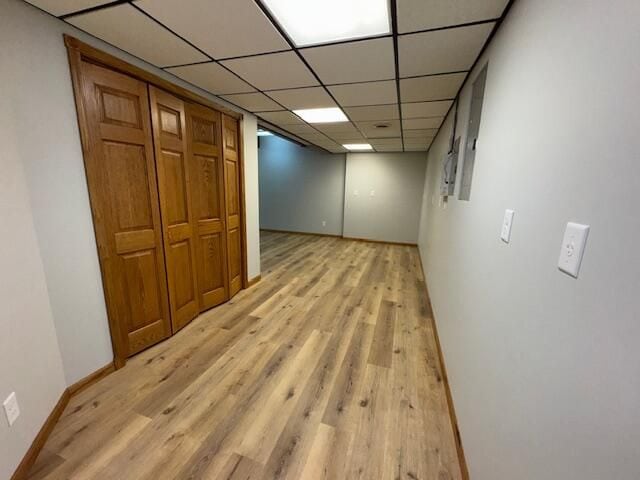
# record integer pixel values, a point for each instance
(11, 408)
(324, 223)
(572, 249)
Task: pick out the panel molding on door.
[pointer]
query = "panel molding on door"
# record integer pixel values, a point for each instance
(207, 198)
(169, 135)
(233, 206)
(113, 111)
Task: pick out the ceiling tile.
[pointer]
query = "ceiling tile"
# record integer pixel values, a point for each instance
(417, 123)
(282, 118)
(442, 51)
(426, 109)
(275, 70)
(347, 137)
(420, 133)
(338, 127)
(374, 93)
(254, 102)
(386, 149)
(64, 7)
(212, 77)
(303, 129)
(437, 87)
(134, 32)
(353, 62)
(374, 129)
(295, 99)
(375, 112)
(417, 141)
(426, 14)
(222, 28)
(416, 148)
(387, 144)
(317, 138)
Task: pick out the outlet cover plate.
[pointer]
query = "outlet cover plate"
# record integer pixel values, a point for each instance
(572, 249)
(11, 408)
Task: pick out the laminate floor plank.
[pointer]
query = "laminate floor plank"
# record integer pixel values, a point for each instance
(326, 369)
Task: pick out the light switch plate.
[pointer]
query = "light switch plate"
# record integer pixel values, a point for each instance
(11, 408)
(505, 234)
(572, 249)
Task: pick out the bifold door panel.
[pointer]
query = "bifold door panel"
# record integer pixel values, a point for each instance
(121, 176)
(164, 179)
(232, 192)
(207, 196)
(169, 135)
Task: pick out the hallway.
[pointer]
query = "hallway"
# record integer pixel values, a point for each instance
(326, 369)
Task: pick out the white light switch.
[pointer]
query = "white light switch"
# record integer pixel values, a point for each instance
(505, 234)
(573, 243)
(11, 408)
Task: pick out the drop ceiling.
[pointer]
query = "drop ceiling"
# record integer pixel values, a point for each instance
(395, 88)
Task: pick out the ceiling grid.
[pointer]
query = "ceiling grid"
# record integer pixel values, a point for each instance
(394, 88)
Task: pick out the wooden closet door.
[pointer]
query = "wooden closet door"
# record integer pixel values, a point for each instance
(169, 136)
(207, 198)
(232, 193)
(113, 111)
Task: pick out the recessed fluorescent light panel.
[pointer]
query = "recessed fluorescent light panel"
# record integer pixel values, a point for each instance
(358, 146)
(322, 115)
(264, 133)
(313, 22)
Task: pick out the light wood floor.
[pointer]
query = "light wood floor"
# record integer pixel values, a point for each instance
(326, 369)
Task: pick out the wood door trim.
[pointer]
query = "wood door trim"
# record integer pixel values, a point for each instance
(117, 340)
(243, 210)
(94, 55)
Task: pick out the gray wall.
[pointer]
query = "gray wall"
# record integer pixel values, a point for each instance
(55, 333)
(300, 187)
(544, 368)
(30, 362)
(382, 196)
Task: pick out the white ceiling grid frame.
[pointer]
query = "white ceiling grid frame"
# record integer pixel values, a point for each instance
(164, 16)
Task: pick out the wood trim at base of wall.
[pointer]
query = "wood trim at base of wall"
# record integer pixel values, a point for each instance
(90, 379)
(253, 281)
(22, 471)
(445, 379)
(355, 239)
(404, 244)
(300, 233)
